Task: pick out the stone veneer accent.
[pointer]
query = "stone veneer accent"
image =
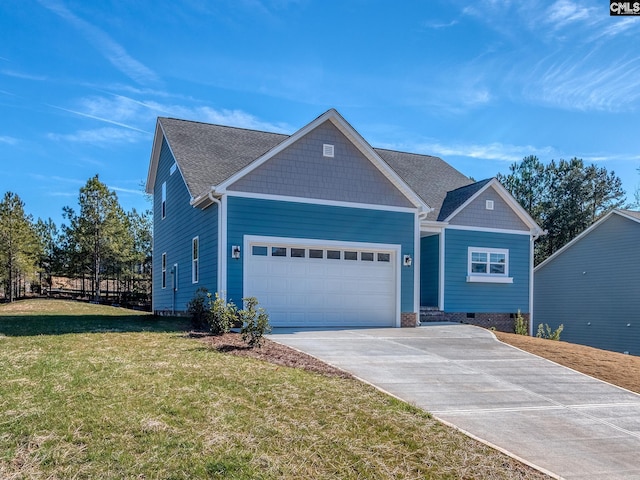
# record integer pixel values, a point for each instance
(408, 319)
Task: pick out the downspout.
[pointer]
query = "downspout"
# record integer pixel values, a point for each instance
(221, 250)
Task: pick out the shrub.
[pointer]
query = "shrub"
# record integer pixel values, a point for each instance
(544, 331)
(197, 308)
(221, 316)
(255, 322)
(520, 325)
(211, 312)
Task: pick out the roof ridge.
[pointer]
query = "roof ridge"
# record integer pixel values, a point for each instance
(225, 126)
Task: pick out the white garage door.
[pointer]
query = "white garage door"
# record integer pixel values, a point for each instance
(303, 285)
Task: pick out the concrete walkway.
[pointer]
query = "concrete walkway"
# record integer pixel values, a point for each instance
(550, 417)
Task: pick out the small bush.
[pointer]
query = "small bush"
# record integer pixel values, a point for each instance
(520, 325)
(544, 331)
(211, 312)
(221, 316)
(197, 308)
(255, 322)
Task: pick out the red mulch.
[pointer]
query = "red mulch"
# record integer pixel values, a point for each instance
(271, 352)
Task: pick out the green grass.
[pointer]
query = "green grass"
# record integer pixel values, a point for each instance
(94, 392)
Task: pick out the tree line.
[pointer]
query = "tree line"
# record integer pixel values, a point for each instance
(564, 197)
(98, 242)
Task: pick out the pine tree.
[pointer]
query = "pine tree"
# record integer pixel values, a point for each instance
(97, 238)
(18, 244)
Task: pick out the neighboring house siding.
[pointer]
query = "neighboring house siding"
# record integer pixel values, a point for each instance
(301, 170)
(299, 220)
(429, 270)
(501, 217)
(174, 235)
(593, 288)
(462, 296)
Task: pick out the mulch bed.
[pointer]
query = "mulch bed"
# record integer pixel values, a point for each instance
(271, 352)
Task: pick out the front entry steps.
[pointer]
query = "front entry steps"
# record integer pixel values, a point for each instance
(431, 314)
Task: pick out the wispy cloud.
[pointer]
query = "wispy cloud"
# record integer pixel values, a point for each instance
(24, 76)
(120, 109)
(564, 12)
(8, 140)
(126, 190)
(490, 151)
(436, 25)
(100, 137)
(109, 48)
(101, 119)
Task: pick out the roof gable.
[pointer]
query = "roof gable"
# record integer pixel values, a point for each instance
(458, 200)
(631, 215)
(354, 137)
(302, 170)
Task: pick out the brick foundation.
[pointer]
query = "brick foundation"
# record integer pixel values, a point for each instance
(408, 319)
(503, 322)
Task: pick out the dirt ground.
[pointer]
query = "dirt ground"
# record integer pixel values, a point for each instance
(615, 368)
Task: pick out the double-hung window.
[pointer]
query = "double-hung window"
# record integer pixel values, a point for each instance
(164, 199)
(195, 259)
(488, 265)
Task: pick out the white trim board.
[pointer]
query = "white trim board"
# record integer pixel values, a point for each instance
(318, 201)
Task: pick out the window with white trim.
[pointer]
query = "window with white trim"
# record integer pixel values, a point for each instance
(164, 270)
(195, 260)
(164, 199)
(488, 265)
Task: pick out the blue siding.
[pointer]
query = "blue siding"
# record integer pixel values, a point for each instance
(429, 270)
(593, 288)
(174, 234)
(248, 216)
(461, 296)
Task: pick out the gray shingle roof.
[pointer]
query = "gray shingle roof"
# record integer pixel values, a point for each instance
(209, 154)
(430, 177)
(457, 197)
(631, 213)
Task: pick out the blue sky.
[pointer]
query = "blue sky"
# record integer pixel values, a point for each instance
(479, 83)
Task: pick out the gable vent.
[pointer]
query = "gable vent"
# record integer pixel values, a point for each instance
(489, 204)
(328, 150)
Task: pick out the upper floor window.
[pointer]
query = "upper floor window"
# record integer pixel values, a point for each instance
(164, 199)
(488, 265)
(195, 259)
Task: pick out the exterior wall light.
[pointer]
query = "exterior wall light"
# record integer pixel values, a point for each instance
(235, 252)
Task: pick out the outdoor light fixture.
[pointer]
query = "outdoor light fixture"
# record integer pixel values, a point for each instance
(235, 252)
(407, 260)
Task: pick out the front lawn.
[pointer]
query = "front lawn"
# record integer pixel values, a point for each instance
(91, 393)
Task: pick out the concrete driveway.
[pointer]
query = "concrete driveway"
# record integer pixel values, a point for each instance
(550, 417)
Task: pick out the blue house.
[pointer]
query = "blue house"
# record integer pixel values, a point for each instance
(592, 285)
(326, 230)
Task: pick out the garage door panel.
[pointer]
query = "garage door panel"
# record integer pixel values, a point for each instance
(304, 291)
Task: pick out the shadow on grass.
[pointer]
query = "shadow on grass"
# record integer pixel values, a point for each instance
(20, 326)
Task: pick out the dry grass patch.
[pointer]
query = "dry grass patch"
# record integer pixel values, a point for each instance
(616, 368)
